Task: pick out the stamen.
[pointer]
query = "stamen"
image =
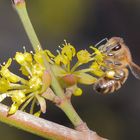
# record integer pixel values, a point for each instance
(24, 49)
(58, 51)
(31, 52)
(60, 47)
(39, 48)
(65, 42)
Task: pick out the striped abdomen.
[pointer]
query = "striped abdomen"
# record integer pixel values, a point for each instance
(105, 85)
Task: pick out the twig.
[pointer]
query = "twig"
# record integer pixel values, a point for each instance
(42, 127)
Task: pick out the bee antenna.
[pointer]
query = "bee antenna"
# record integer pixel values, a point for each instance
(105, 39)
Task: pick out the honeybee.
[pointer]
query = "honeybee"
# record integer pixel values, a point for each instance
(117, 59)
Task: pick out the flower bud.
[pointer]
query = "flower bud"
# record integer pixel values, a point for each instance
(70, 79)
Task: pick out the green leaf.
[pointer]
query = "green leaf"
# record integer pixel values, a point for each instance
(86, 79)
(42, 103)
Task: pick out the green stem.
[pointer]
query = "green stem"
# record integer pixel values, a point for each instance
(26, 103)
(71, 113)
(17, 86)
(22, 12)
(75, 66)
(66, 107)
(32, 106)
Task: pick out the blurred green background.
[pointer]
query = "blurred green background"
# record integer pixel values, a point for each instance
(82, 23)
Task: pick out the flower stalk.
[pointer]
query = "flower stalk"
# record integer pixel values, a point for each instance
(20, 7)
(68, 109)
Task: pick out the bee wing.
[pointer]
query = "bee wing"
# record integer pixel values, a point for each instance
(135, 69)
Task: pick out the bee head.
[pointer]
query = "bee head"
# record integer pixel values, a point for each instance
(113, 46)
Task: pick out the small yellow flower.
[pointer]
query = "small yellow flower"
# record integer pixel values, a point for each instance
(23, 58)
(24, 71)
(49, 54)
(38, 56)
(61, 59)
(98, 62)
(4, 84)
(97, 55)
(68, 50)
(35, 83)
(18, 96)
(83, 56)
(28, 57)
(19, 57)
(7, 74)
(66, 54)
(97, 69)
(38, 69)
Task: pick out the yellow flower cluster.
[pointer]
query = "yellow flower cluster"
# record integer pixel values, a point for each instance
(69, 74)
(29, 90)
(23, 91)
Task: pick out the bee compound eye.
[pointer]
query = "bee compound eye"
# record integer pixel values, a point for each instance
(116, 48)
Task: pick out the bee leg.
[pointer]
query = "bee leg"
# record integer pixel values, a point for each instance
(119, 74)
(117, 63)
